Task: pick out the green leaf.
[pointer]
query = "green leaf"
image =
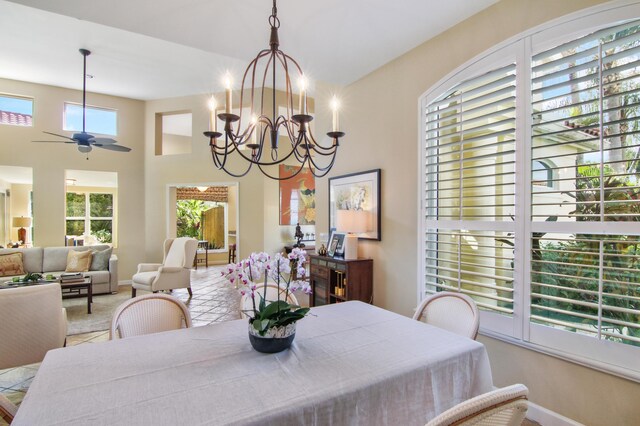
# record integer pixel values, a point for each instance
(264, 325)
(262, 303)
(274, 307)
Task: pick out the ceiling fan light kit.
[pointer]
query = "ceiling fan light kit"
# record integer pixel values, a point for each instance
(260, 135)
(84, 140)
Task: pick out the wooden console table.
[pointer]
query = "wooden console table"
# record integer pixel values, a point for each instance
(337, 280)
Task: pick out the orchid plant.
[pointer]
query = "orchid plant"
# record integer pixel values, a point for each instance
(288, 272)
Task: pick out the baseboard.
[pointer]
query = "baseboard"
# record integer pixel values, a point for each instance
(547, 417)
(125, 282)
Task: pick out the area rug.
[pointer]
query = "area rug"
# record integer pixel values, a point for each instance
(102, 309)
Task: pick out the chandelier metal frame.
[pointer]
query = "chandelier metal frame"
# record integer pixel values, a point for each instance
(264, 128)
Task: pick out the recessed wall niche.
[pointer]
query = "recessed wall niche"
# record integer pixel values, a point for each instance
(173, 132)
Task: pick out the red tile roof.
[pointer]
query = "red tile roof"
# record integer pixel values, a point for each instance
(591, 131)
(17, 119)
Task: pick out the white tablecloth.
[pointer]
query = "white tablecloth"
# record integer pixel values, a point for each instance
(350, 364)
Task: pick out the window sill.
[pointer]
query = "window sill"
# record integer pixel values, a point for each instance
(569, 357)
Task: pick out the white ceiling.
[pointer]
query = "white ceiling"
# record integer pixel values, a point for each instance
(150, 49)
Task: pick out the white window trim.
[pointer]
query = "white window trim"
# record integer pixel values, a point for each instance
(87, 213)
(607, 356)
(64, 118)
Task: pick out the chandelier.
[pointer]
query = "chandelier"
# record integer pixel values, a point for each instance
(256, 139)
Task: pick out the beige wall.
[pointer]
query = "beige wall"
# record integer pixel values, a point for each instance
(19, 206)
(49, 162)
(257, 196)
(175, 144)
(381, 121)
(193, 168)
(580, 393)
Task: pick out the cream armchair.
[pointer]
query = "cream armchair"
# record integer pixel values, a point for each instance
(33, 322)
(173, 272)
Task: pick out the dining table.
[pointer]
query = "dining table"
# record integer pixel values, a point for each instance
(351, 363)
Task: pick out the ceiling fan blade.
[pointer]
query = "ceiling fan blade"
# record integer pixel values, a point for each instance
(56, 141)
(103, 141)
(114, 147)
(61, 136)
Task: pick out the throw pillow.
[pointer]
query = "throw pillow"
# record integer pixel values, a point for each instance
(78, 261)
(100, 260)
(11, 264)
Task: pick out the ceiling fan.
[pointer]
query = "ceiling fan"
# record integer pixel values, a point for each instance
(84, 140)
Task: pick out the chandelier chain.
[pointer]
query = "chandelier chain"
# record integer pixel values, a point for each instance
(273, 19)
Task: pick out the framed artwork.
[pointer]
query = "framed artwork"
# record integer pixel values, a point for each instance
(297, 196)
(356, 197)
(336, 244)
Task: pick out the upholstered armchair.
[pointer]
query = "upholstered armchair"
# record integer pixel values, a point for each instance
(33, 322)
(173, 272)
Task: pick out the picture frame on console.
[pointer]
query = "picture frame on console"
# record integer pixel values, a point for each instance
(335, 247)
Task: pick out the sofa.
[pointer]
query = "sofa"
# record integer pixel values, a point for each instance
(53, 260)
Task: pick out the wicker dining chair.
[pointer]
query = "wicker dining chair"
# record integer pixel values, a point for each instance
(454, 312)
(246, 304)
(502, 407)
(151, 313)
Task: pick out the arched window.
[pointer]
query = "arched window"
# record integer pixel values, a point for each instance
(541, 174)
(530, 178)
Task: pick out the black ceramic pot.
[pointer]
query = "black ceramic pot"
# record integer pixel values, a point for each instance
(271, 345)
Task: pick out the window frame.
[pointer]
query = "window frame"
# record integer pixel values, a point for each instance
(548, 169)
(87, 218)
(89, 107)
(608, 356)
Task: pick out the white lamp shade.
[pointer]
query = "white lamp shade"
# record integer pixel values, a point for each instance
(356, 221)
(21, 222)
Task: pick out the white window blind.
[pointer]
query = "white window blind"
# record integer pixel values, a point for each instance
(469, 187)
(530, 191)
(585, 277)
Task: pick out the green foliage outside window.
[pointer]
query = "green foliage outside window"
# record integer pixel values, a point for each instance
(101, 205)
(188, 216)
(75, 205)
(101, 229)
(572, 267)
(75, 227)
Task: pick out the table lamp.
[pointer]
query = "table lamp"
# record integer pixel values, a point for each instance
(22, 222)
(353, 222)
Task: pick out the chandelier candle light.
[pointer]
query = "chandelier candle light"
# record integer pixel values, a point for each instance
(262, 131)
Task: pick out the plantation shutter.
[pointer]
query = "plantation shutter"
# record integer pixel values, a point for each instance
(469, 190)
(585, 257)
